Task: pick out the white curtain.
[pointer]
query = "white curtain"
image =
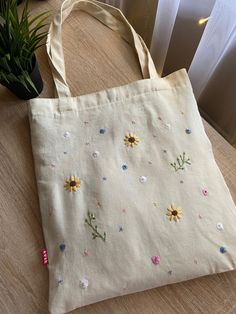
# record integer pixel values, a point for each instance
(176, 39)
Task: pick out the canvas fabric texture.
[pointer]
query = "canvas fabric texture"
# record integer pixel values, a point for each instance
(130, 194)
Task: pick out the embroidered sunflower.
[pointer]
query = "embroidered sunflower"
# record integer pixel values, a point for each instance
(174, 213)
(72, 184)
(131, 140)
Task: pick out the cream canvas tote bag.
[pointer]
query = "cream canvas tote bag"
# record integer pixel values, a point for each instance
(130, 194)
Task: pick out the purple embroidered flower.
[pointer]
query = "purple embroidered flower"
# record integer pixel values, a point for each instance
(205, 192)
(156, 259)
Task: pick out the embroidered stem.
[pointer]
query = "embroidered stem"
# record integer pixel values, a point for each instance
(95, 234)
(181, 160)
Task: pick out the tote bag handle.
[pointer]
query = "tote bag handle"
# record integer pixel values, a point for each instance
(109, 16)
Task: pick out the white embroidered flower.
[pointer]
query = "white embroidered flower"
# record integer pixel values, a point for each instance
(143, 179)
(219, 226)
(95, 154)
(84, 283)
(66, 134)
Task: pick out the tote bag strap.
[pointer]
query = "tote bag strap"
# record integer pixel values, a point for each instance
(109, 16)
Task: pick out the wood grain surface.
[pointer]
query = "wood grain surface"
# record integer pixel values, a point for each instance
(96, 58)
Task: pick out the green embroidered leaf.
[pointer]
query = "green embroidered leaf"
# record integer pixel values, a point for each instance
(95, 233)
(181, 161)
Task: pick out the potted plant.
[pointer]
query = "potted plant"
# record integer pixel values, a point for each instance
(20, 37)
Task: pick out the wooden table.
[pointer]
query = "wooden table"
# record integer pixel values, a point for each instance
(96, 59)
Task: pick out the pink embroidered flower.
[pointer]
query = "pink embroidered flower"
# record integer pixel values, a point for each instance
(85, 253)
(205, 192)
(156, 260)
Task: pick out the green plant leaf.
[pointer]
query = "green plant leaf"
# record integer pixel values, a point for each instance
(20, 36)
(41, 18)
(29, 81)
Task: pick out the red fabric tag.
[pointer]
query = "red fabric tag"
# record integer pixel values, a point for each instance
(44, 257)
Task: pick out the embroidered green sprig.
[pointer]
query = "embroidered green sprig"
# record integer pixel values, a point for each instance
(89, 221)
(181, 161)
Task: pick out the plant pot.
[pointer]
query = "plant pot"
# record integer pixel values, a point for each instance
(19, 89)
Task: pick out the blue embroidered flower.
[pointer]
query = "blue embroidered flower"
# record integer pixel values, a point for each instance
(102, 131)
(188, 131)
(62, 247)
(124, 167)
(223, 250)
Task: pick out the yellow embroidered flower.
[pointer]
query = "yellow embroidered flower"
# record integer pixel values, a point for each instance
(174, 213)
(131, 140)
(72, 184)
